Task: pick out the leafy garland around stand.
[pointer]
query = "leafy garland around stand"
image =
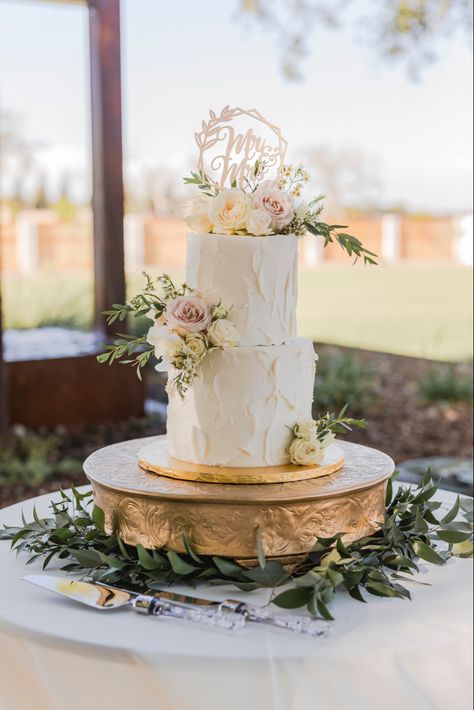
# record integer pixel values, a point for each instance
(377, 564)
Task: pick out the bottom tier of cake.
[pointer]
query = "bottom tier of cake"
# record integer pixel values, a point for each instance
(241, 408)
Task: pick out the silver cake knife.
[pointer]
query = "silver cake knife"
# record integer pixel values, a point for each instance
(228, 614)
(106, 598)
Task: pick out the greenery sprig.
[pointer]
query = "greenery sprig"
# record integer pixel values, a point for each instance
(331, 423)
(378, 564)
(148, 302)
(330, 233)
(203, 183)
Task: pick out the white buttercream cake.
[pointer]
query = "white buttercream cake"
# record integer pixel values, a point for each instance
(246, 399)
(257, 276)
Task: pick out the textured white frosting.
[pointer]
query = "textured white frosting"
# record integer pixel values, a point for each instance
(257, 276)
(238, 410)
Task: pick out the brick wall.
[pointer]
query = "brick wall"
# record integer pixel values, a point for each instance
(428, 238)
(165, 243)
(67, 245)
(8, 246)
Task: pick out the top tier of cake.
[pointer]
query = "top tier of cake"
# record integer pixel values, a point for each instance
(257, 276)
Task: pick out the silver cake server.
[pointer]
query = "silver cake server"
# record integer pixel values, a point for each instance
(106, 598)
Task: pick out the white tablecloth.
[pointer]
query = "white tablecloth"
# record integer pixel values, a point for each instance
(386, 654)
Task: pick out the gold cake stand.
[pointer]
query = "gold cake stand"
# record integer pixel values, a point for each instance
(224, 518)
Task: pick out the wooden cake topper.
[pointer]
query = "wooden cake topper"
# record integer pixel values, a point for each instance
(229, 147)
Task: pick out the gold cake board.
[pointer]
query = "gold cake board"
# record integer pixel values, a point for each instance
(224, 519)
(154, 457)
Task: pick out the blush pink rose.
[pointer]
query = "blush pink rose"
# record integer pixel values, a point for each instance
(188, 314)
(278, 204)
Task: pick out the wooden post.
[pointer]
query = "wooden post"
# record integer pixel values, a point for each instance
(3, 378)
(108, 193)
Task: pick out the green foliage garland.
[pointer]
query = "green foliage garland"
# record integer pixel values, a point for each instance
(377, 564)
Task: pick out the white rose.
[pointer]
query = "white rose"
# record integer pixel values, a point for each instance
(306, 430)
(304, 453)
(229, 211)
(167, 346)
(196, 344)
(196, 213)
(223, 334)
(259, 223)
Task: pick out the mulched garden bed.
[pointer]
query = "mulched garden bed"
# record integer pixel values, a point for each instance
(400, 423)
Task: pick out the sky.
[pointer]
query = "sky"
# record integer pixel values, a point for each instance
(179, 59)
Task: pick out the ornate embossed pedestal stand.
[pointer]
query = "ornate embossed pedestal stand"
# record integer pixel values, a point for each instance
(223, 518)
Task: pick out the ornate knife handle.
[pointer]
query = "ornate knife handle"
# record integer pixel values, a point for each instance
(214, 616)
(292, 622)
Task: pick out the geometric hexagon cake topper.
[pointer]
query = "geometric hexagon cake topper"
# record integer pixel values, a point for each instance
(231, 142)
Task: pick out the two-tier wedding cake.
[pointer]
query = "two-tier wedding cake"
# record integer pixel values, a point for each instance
(246, 400)
(240, 381)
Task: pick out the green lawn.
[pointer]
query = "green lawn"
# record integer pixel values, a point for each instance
(422, 311)
(419, 311)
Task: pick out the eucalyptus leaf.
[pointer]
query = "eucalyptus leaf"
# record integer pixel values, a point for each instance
(293, 598)
(180, 565)
(146, 559)
(453, 536)
(98, 516)
(452, 514)
(427, 553)
(272, 575)
(226, 567)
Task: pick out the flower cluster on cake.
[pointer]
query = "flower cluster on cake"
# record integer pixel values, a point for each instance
(240, 381)
(266, 207)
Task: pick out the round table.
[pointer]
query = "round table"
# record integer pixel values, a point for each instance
(389, 652)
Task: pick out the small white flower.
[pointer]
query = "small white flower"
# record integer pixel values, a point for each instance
(223, 334)
(259, 223)
(304, 453)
